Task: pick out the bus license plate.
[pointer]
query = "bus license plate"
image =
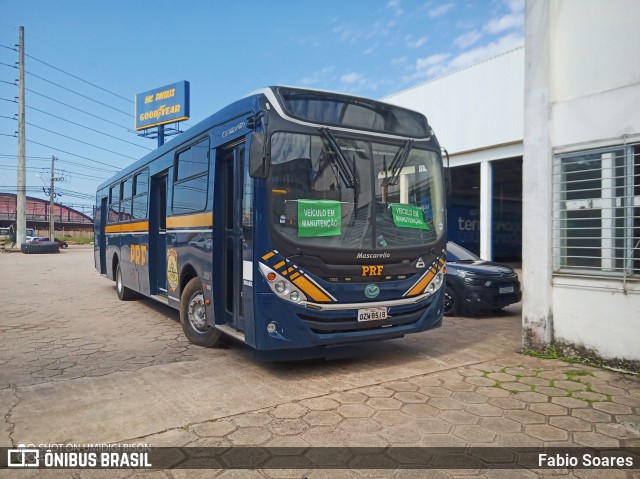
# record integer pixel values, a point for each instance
(372, 314)
(506, 289)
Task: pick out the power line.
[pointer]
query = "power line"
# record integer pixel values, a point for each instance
(71, 138)
(48, 158)
(79, 94)
(86, 127)
(79, 124)
(78, 78)
(78, 174)
(79, 109)
(72, 154)
(69, 90)
(71, 75)
(80, 141)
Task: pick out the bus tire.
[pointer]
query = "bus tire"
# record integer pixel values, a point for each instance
(193, 316)
(40, 248)
(124, 293)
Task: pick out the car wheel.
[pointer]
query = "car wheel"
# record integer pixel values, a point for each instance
(451, 303)
(124, 293)
(40, 248)
(193, 316)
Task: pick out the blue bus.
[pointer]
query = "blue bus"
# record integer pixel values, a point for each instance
(293, 220)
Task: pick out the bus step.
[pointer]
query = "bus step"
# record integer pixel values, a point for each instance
(239, 335)
(160, 299)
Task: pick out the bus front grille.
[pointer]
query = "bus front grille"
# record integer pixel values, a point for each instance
(347, 321)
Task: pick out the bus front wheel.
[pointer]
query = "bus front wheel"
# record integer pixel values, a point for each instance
(124, 293)
(193, 316)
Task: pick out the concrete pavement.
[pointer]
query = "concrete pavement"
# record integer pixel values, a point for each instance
(79, 366)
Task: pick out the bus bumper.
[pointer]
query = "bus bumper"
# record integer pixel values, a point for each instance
(306, 333)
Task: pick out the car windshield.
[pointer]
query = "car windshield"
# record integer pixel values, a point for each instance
(457, 254)
(333, 192)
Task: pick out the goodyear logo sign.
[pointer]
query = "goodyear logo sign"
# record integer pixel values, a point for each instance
(168, 104)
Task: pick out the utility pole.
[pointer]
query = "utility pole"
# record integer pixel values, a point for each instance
(21, 193)
(51, 197)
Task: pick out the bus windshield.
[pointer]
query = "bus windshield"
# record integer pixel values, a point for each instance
(337, 192)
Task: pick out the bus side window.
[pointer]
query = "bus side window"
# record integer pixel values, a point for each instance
(114, 204)
(125, 203)
(190, 185)
(247, 200)
(140, 194)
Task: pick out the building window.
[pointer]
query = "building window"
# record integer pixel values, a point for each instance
(596, 226)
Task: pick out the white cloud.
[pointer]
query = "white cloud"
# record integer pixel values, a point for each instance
(476, 55)
(352, 77)
(442, 63)
(316, 77)
(428, 67)
(509, 21)
(440, 10)
(512, 20)
(399, 60)
(417, 43)
(395, 6)
(467, 39)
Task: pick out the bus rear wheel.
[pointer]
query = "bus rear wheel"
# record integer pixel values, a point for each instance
(124, 293)
(193, 316)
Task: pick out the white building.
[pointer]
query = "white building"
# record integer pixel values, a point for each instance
(477, 115)
(561, 118)
(582, 177)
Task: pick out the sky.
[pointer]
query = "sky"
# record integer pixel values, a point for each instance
(87, 60)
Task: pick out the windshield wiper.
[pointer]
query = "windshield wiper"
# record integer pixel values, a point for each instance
(346, 172)
(397, 164)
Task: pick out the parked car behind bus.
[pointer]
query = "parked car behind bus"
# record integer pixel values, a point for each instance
(474, 285)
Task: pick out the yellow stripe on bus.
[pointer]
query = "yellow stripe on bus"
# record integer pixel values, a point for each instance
(422, 284)
(310, 289)
(279, 265)
(268, 255)
(188, 221)
(284, 273)
(141, 226)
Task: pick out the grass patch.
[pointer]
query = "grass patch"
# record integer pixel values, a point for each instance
(575, 373)
(76, 240)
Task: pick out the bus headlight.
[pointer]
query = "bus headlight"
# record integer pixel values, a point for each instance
(281, 287)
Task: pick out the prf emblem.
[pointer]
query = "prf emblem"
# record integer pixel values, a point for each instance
(172, 269)
(372, 270)
(138, 253)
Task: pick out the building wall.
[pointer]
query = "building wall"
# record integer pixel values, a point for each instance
(476, 108)
(477, 115)
(582, 85)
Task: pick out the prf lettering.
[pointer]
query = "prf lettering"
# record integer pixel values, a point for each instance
(372, 270)
(138, 253)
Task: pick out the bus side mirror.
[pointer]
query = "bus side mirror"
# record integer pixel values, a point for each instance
(447, 176)
(259, 161)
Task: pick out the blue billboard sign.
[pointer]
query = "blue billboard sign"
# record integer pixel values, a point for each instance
(160, 106)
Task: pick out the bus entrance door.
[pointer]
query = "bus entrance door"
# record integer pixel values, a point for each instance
(158, 235)
(233, 243)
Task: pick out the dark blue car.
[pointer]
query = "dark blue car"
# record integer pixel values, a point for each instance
(474, 285)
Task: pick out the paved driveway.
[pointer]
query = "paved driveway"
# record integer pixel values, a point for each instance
(79, 366)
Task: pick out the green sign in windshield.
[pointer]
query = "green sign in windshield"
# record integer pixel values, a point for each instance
(406, 216)
(319, 218)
